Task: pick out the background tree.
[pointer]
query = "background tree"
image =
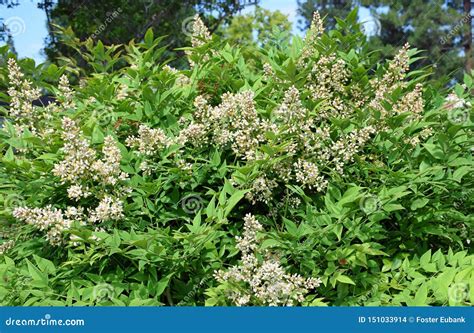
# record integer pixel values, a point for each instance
(119, 21)
(330, 9)
(439, 27)
(257, 26)
(467, 4)
(433, 26)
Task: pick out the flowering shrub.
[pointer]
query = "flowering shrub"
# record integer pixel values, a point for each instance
(306, 174)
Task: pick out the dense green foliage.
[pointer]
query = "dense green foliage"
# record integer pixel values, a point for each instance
(357, 174)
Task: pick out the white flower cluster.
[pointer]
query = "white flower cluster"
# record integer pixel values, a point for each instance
(181, 79)
(122, 92)
(149, 140)
(200, 33)
(391, 80)
(49, 219)
(200, 36)
(81, 164)
(452, 101)
(109, 208)
(327, 81)
(262, 190)
(412, 102)
(79, 156)
(329, 77)
(4, 247)
(312, 150)
(424, 134)
(268, 71)
(233, 123)
(86, 176)
(108, 170)
(22, 95)
(76, 192)
(314, 33)
(307, 173)
(25, 114)
(194, 133)
(291, 108)
(343, 150)
(262, 282)
(66, 94)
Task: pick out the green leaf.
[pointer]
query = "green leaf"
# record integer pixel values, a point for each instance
(227, 56)
(40, 278)
(291, 227)
(421, 296)
(9, 156)
(461, 172)
(269, 243)
(338, 230)
(345, 279)
(162, 284)
(45, 265)
(234, 200)
(425, 258)
(97, 135)
(392, 207)
(434, 150)
(419, 203)
(351, 195)
(149, 37)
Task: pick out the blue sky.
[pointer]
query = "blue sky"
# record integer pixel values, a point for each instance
(31, 24)
(28, 24)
